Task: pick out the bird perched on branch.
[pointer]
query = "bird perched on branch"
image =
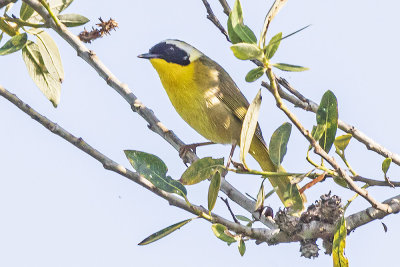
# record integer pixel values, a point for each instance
(207, 98)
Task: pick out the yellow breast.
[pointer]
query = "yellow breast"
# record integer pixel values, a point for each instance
(194, 92)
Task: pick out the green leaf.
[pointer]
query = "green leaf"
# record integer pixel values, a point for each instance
(327, 116)
(288, 67)
(278, 143)
(249, 127)
(231, 33)
(51, 56)
(241, 247)
(72, 20)
(273, 45)
(317, 132)
(154, 169)
(386, 164)
(56, 6)
(342, 141)
(201, 170)
(49, 86)
(213, 190)
(241, 30)
(245, 51)
(163, 233)
(339, 244)
(26, 11)
(243, 218)
(260, 198)
(340, 181)
(16, 43)
(222, 233)
(254, 74)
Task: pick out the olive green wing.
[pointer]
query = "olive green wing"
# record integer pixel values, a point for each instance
(233, 98)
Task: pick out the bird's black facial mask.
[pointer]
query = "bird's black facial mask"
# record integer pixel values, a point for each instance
(170, 53)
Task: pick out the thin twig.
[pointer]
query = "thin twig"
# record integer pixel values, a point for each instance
(225, 6)
(372, 182)
(214, 19)
(230, 210)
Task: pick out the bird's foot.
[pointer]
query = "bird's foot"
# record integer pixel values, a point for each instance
(185, 149)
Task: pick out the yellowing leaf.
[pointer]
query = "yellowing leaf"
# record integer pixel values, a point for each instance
(51, 56)
(339, 244)
(342, 141)
(50, 86)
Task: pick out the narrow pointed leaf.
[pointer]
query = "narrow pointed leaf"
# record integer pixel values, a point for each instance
(222, 233)
(245, 51)
(249, 126)
(242, 218)
(51, 56)
(26, 11)
(327, 116)
(241, 247)
(73, 20)
(386, 164)
(213, 190)
(154, 169)
(278, 4)
(254, 74)
(231, 33)
(289, 67)
(339, 244)
(245, 33)
(260, 198)
(1, 36)
(16, 43)
(273, 45)
(201, 170)
(278, 143)
(342, 141)
(163, 233)
(49, 86)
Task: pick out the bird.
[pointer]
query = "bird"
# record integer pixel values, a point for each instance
(208, 99)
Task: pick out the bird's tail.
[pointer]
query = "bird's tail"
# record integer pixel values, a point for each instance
(287, 192)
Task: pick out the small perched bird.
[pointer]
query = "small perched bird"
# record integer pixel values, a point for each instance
(207, 98)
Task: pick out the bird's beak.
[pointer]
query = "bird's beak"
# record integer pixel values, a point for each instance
(148, 56)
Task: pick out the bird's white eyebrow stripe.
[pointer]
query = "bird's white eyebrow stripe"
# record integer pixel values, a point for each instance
(192, 52)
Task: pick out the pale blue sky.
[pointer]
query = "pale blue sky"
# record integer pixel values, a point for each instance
(59, 207)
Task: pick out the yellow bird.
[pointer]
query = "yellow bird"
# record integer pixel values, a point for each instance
(207, 98)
